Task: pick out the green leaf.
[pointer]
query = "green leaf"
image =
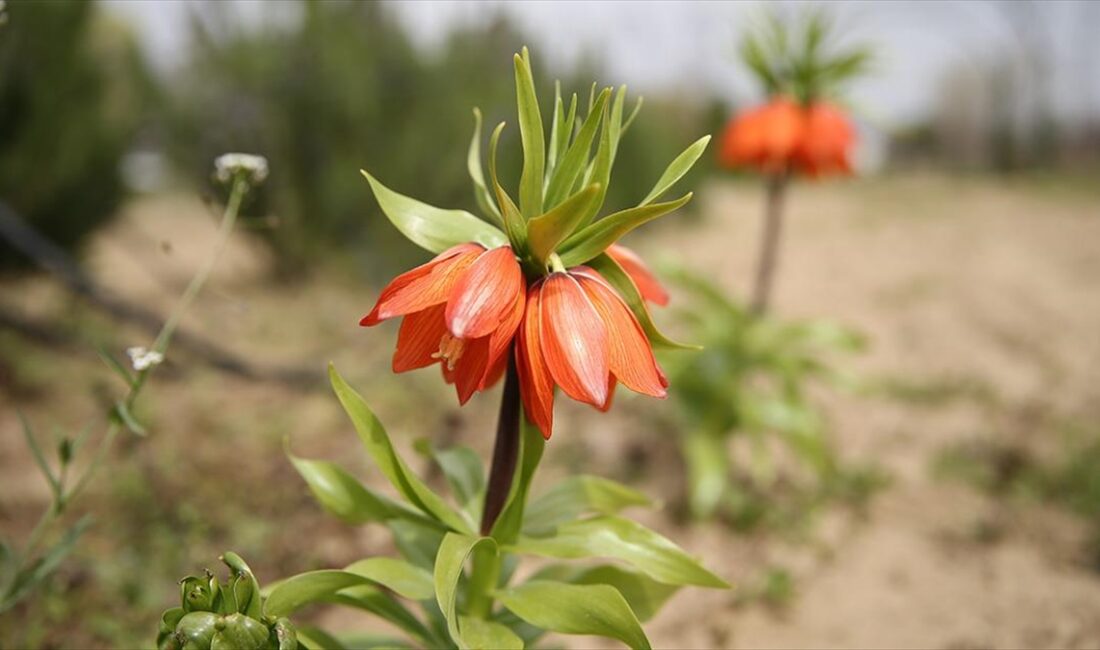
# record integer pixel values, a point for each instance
(530, 131)
(579, 495)
(449, 562)
(545, 232)
(473, 165)
(479, 633)
(576, 157)
(644, 595)
(561, 130)
(127, 419)
(314, 638)
(676, 169)
(614, 274)
(31, 576)
(39, 457)
(599, 170)
(417, 543)
(399, 576)
(595, 238)
(433, 229)
(507, 527)
(575, 609)
(342, 495)
(115, 366)
(378, 445)
(514, 223)
(300, 590)
(462, 468)
(382, 604)
(621, 539)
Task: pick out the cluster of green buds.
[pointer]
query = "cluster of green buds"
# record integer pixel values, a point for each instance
(217, 616)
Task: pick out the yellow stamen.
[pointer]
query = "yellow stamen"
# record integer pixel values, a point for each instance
(450, 350)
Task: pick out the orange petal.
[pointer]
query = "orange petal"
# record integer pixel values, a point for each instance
(536, 386)
(418, 339)
(647, 283)
(631, 357)
(501, 339)
(574, 339)
(427, 285)
(470, 369)
(483, 296)
(494, 372)
(611, 383)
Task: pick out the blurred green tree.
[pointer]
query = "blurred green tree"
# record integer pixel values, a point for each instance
(71, 85)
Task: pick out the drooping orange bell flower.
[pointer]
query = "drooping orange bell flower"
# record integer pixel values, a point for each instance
(826, 142)
(764, 137)
(783, 135)
(647, 283)
(579, 335)
(461, 310)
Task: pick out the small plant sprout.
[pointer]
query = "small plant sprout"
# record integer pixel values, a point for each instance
(798, 130)
(533, 293)
(27, 565)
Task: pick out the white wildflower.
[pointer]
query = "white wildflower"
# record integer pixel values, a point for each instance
(143, 359)
(229, 165)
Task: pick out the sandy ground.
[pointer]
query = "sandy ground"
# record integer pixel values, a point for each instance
(975, 282)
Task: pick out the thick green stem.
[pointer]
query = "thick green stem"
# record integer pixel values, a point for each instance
(769, 242)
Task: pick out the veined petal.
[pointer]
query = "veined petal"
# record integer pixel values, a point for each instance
(647, 283)
(611, 383)
(631, 358)
(536, 386)
(484, 294)
(470, 368)
(501, 338)
(418, 339)
(574, 339)
(427, 285)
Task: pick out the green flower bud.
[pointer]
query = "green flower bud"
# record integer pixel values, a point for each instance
(196, 595)
(196, 630)
(166, 635)
(239, 632)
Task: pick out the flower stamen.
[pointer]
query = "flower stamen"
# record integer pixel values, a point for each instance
(450, 350)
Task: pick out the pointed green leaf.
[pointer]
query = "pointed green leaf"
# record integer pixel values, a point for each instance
(530, 131)
(598, 610)
(644, 595)
(462, 468)
(473, 165)
(599, 170)
(579, 495)
(449, 563)
(633, 115)
(624, 540)
(378, 445)
(433, 229)
(36, 451)
(399, 576)
(26, 580)
(479, 633)
(382, 604)
(545, 232)
(576, 157)
(126, 418)
(561, 132)
(616, 123)
(313, 638)
(681, 165)
(595, 238)
(618, 278)
(514, 223)
(298, 591)
(342, 495)
(508, 525)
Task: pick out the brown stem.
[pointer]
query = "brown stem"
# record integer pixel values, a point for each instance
(505, 450)
(769, 242)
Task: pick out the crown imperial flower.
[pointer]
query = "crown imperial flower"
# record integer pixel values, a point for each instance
(783, 135)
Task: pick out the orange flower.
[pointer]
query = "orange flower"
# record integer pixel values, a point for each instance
(647, 283)
(764, 137)
(579, 335)
(461, 310)
(827, 141)
(783, 135)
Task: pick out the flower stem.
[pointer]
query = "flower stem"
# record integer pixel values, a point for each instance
(505, 450)
(769, 242)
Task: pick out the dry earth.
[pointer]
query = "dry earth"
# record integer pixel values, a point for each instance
(955, 282)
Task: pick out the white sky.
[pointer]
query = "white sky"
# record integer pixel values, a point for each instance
(690, 45)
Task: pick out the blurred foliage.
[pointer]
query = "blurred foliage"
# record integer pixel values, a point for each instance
(754, 381)
(800, 58)
(72, 89)
(1069, 477)
(346, 89)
